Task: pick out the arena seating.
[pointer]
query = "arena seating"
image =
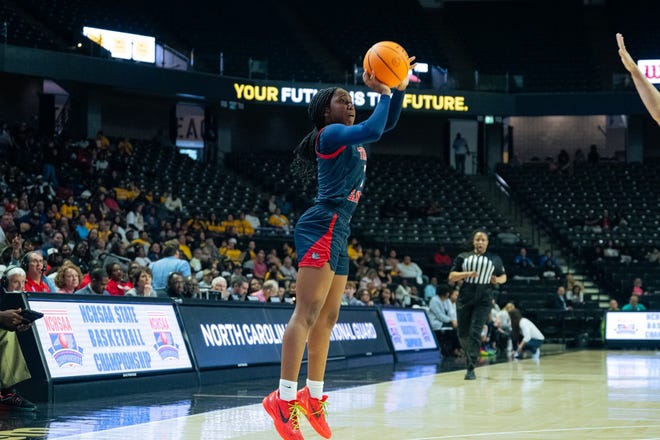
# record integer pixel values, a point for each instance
(157, 169)
(562, 201)
(393, 209)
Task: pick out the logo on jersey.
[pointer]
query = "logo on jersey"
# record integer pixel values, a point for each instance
(363, 153)
(315, 256)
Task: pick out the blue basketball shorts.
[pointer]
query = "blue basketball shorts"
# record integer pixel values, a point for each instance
(321, 236)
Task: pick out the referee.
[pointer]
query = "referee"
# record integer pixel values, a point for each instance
(479, 270)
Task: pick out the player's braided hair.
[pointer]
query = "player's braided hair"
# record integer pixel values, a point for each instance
(304, 162)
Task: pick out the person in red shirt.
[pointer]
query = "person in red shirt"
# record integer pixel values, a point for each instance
(117, 286)
(441, 257)
(33, 264)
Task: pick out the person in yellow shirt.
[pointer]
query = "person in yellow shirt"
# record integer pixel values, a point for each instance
(228, 222)
(104, 230)
(213, 225)
(125, 147)
(196, 223)
(102, 141)
(142, 240)
(232, 252)
(128, 194)
(251, 252)
(69, 209)
(243, 227)
(183, 246)
(354, 249)
(279, 220)
(91, 222)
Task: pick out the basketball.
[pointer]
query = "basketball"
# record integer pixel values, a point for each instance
(388, 61)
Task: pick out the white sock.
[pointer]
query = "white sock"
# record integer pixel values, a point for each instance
(288, 390)
(315, 388)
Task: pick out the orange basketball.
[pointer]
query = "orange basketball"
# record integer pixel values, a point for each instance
(388, 61)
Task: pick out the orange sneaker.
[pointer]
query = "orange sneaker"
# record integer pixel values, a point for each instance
(285, 415)
(315, 411)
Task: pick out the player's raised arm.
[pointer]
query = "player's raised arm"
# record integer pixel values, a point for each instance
(647, 91)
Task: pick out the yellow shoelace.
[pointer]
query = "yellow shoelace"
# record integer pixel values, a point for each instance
(295, 410)
(323, 408)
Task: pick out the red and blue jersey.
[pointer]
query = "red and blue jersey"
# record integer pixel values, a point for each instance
(342, 157)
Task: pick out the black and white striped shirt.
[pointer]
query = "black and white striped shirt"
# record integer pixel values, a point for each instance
(486, 265)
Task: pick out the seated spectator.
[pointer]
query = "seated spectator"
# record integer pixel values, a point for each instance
(68, 278)
(638, 288)
(383, 274)
(191, 288)
(175, 285)
(13, 280)
(633, 305)
(243, 226)
(117, 286)
(550, 271)
(141, 281)
(522, 258)
(386, 298)
(141, 257)
(575, 297)
(98, 280)
(348, 298)
(392, 262)
(254, 285)
(288, 271)
(365, 297)
(548, 256)
(371, 277)
(442, 258)
(409, 270)
(523, 267)
(279, 221)
(232, 252)
(219, 284)
(407, 295)
(269, 288)
(253, 219)
(613, 306)
(439, 311)
(354, 249)
(559, 301)
(259, 266)
(239, 288)
(571, 281)
(430, 289)
(273, 273)
(69, 208)
(35, 280)
(173, 203)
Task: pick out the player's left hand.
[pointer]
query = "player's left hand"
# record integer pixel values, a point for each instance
(626, 59)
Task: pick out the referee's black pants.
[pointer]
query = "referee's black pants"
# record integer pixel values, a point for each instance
(472, 310)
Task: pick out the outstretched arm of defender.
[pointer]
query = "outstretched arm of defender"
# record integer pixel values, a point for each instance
(647, 91)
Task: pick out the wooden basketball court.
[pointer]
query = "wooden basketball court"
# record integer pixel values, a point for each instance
(574, 395)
